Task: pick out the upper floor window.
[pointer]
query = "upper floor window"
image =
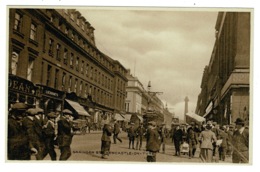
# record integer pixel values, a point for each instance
(17, 22)
(63, 81)
(83, 26)
(72, 35)
(30, 68)
(15, 58)
(66, 31)
(71, 59)
(33, 31)
(66, 11)
(58, 52)
(72, 16)
(49, 69)
(77, 21)
(51, 43)
(57, 71)
(70, 84)
(82, 67)
(76, 85)
(65, 56)
(77, 64)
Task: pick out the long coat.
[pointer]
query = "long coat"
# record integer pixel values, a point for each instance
(152, 140)
(207, 137)
(107, 132)
(64, 132)
(131, 132)
(18, 144)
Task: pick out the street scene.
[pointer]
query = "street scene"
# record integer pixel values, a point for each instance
(129, 85)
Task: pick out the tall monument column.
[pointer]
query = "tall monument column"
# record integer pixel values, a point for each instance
(186, 107)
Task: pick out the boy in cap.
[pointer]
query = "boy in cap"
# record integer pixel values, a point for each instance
(65, 134)
(18, 144)
(240, 143)
(152, 141)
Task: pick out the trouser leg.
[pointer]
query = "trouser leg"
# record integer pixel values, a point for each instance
(65, 152)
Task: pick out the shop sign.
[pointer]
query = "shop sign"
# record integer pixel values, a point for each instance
(21, 85)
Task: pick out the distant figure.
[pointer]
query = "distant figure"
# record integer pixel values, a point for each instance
(116, 132)
(162, 132)
(206, 148)
(152, 141)
(240, 143)
(192, 140)
(131, 136)
(139, 136)
(105, 140)
(177, 137)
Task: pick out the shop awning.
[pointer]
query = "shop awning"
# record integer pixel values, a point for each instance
(196, 117)
(78, 108)
(127, 117)
(119, 117)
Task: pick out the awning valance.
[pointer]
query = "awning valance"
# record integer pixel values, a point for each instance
(78, 108)
(196, 117)
(141, 118)
(127, 117)
(119, 117)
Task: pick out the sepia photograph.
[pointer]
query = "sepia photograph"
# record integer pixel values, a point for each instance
(129, 84)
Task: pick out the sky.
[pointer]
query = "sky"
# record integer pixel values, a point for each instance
(166, 46)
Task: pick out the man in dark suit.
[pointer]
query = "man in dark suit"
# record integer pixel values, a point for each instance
(177, 137)
(105, 140)
(240, 141)
(152, 141)
(131, 136)
(139, 136)
(65, 134)
(18, 144)
(116, 131)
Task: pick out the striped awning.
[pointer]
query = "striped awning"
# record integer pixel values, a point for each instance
(78, 108)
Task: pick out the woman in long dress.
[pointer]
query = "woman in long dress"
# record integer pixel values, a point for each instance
(207, 137)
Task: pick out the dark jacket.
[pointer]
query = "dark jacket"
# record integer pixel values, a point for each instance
(107, 132)
(140, 131)
(241, 141)
(191, 137)
(131, 132)
(177, 135)
(152, 140)
(116, 128)
(18, 144)
(64, 132)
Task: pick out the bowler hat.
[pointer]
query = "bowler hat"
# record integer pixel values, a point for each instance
(38, 110)
(19, 106)
(239, 121)
(67, 112)
(52, 115)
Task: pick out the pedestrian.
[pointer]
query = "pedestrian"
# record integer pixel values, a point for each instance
(106, 140)
(223, 136)
(177, 137)
(206, 148)
(34, 133)
(215, 129)
(131, 136)
(116, 132)
(65, 134)
(17, 142)
(152, 141)
(162, 131)
(240, 143)
(50, 135)
(192, 140)
(139, 136)
(230, 132)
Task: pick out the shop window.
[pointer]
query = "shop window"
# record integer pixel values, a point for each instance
(14, 63)
(30, 68)
(17, 22)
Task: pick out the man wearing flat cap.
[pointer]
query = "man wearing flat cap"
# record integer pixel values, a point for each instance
(152, 142)
(65, 134)
(131, 136)
(18, 144)
(49, 135)
(240, 143)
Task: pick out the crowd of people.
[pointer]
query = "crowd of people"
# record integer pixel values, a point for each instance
(31, 133)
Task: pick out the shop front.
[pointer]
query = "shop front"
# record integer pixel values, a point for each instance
(49, 99)
(21, 90)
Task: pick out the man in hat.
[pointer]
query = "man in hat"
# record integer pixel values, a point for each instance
(177, 137)
(152, 141)
(131, 135)
(106, 140)
(192, 140)
(224, 144)
(139, 136)
(18, 144)
(65, 134)
(116, 131)
(49, 135)
(240, 143)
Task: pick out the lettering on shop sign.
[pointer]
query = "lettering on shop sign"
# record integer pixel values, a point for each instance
(20, 86)
(51, 93)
